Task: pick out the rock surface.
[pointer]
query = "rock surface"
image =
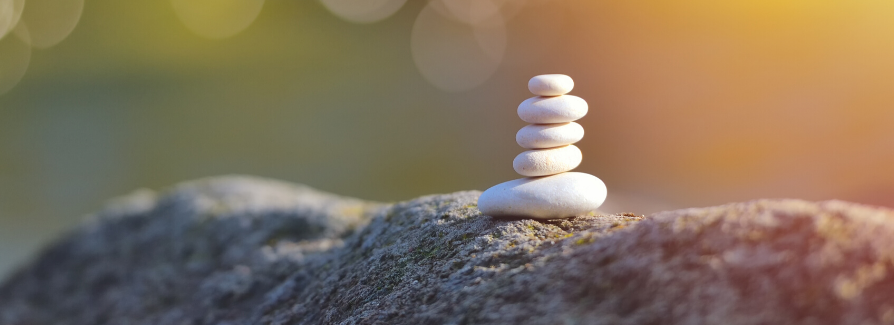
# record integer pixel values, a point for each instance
(241, 250)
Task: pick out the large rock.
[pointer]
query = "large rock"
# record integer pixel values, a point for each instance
(248, 251)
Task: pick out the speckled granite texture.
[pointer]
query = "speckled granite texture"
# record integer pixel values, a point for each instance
(242, 250)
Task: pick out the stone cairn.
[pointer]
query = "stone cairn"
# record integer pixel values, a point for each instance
(550, 190)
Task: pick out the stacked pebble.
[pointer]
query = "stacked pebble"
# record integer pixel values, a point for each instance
(553, 132)
(550, 191)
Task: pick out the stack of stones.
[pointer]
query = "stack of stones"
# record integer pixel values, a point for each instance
(549, 190)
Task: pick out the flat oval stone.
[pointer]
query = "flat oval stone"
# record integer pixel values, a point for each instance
(550, 85)
(546, 110)
(542, 162)
(540, 136)
(557, 196)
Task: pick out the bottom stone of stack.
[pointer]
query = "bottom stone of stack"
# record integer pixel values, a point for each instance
(556, 196)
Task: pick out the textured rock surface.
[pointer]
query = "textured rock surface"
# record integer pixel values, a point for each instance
(248, 251)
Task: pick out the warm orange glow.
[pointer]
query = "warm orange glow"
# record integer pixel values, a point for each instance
(759, 98)
(692, 102)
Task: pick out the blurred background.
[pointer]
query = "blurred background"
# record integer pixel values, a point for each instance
(692, 102)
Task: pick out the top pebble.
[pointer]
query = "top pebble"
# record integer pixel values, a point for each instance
(550, 85)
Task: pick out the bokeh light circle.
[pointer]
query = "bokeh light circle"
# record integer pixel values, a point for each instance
(511, 8)
(363, 11)
(51, 21)
(216, 19)
(467, 11)
(457, 53)
(15, 55)
(10, 13)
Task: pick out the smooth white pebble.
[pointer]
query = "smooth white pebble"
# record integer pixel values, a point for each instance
(542, 162)
(541, 136)
(558, 109)
(550, 85)
(557, 196)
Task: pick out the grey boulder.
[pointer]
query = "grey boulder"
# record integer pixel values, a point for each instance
(241, 250)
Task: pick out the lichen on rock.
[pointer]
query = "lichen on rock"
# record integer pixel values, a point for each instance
(241, 250)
